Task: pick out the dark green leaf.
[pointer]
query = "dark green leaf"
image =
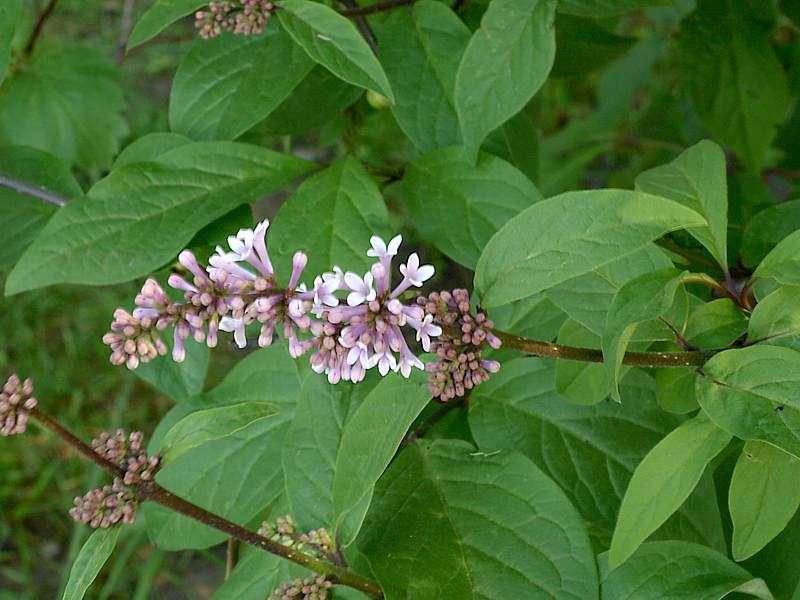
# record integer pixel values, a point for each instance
(335, 43)
(331, 217)
(450, 523)
(227, 84)
(777, 318)
(93, 555)
(697, 180)
(149, 147)
(46, 106)
(9, 15)
(566, 236)
(767, 228)
(256, 574)
(782, 264)
(716, 324)
(605, 8)
(581, 447)
(752, 393)
(677, 571)
(179, 381)
(159, 16)
(442, 186)
(662, 481)
(369, 441)
(675, 390)
(420, 50)
(584, 46)
(732, 77)
(763, 497)
(506, 62)
(517, 142)
(165, 201)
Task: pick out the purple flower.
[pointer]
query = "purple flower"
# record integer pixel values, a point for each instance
(425, 330)
(415, 273)
(381, 249)
(360, 289)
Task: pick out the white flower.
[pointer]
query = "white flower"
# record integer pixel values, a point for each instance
(361, 289)
(407, 361)
(415, 273)
(425, 330)
(242, 243)
(381, 250)
(360, 354)
(237, 327)
(385, 360)
(336, 275)
(324, 291)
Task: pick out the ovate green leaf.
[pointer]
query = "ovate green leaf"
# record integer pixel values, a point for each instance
(442, 186)
(678, 571)
(165, 201)
(331, 217)
(179, 381)
(159, 16)
(93, 555)
(776, 318)
(571, 234)
(763, 497)
(662, 481)
(752, 393)
(333, 41)
(715, 324)
(506, 62)
(213, 100)
(451, 523)
(369, 441)
(767, 228)
(782, 264)
(696, 179)
(9, 14)
(584, 46)
(149, 147)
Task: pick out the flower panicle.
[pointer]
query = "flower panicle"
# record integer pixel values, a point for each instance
(348, 323)
(240, 17)
(16, 403)
(313, 587)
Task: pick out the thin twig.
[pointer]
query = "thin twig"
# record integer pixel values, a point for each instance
(150, 490)
(374, 8)
(125, 27)
(29, 190)
(231, 556)
(637, 359)
(687, 254)
(37, 29)
(679, 339)
(363, 26)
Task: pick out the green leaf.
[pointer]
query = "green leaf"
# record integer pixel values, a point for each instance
(149, 147)
(420, 50)
(779, 561)
(752, 393)
(767, 228)
(312, 445)
(505, 63)
(587, 298)
(605, 8)
(662, 481)
(677, 571)
(716, 324)
(159, 16)
(450, 523)
(675, 390)
(584, 46)
(696, 179)
(319, 98)
(517, 142)
(645, 297)
(535, 317)
(179, 381)
(443, 186)
(581, 447)
(335, 43)
(369, 441)
(775, 317)
(256, 573)
(74, 92)
(227, 84)
(9, 15)
(581, 382)
(92, 556)
(24, 215)
(782, 264)
(98, 241)
(237, 476)
(569, 235)
(731, 76)
(763, 497)
(204, 426)
(331, 217)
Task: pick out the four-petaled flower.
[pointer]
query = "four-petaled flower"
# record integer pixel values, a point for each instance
(237, 327)
(361, 290)
(425, 330)
(415, 273)
(381, 250)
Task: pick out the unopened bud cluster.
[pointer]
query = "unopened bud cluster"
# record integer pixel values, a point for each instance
(347, 322)
(241, 17)
(16, 402)
(112, 504)
(315, 587)
(105, 506)
(459, 366)
(284, 531)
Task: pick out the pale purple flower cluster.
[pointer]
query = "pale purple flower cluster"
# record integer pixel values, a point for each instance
(106, 506)
(127, 452)
(350, 323)
(16, 402)
(241, 17)
(284, 531)
(314, 587)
